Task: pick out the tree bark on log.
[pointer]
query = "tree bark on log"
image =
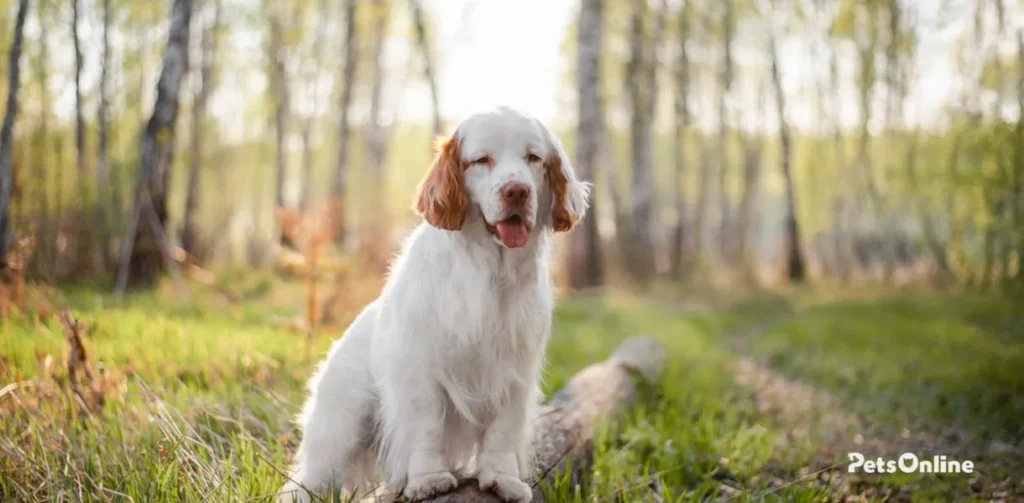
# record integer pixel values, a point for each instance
(564, 427)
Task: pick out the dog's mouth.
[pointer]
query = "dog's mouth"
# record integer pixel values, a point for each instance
(513, 232)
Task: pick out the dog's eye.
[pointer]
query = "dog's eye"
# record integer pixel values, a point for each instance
(484, 159)
(532, 158)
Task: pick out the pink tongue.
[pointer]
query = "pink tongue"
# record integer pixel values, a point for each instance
(513, 234)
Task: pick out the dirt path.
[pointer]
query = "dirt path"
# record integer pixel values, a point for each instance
(808, 413)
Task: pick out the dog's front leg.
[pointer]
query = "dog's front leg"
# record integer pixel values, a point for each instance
(415, 418)
(503, 453)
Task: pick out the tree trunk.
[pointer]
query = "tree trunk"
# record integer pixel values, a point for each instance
(725, 232)
(700, 216)
(794, 255)
(866, 45)
(1005, 205)
(605, 165)
(307, 163)
(102, 119)
(141, 253)
(900, 77)
(893, 122)
(1017, 186)
(7, 136)
(79, 117)
(190, 236)
(641, 89)
(375, 237)
(747, 218)
(584, 259)
(747, 224)
(701, 228)
(988, 259)
(279, 77)
(312, 79)
(679, 263)
(428, 63)
(47, 178)
(348, 78)
(931, 236)
(840, 229)
(565, 428)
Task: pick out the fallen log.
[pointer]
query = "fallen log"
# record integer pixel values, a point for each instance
(564, 427)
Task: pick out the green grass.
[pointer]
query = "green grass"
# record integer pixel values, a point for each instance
(919, 359)
(201, 395)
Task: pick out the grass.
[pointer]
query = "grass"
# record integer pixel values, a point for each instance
(763, 396)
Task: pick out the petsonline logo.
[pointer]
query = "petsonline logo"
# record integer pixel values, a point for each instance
(908, 463)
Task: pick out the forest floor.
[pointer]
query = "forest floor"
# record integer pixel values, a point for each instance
(765, 395)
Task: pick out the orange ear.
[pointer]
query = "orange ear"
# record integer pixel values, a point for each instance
(563, 217)
(441, 198)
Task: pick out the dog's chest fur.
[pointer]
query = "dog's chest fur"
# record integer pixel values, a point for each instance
(496, 343)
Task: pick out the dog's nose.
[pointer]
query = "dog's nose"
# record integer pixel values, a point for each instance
(515, 193)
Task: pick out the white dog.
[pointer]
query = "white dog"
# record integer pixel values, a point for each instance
(439, 375)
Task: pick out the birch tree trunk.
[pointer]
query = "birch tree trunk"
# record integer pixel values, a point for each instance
(1004, 210)
(103, 226)
(7, 135)
(867, 41)
(279, 78)
(931, 236)
(678, 260)
(794, 255)
(79, 117)
(47, 178)
(142, 254)
(746, 224)
(840, 206)
(584, 260)
(893, 122)
(725, 233)
(701, 229)
(901, 75)
(419, 20)
(375, 235)
(312, 80)
(641, 89)
(338, 187)
(1018, 167)
(190, 238)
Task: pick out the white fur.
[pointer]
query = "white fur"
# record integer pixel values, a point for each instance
(437, 378)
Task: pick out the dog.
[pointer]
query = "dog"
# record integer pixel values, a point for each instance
(439, 376)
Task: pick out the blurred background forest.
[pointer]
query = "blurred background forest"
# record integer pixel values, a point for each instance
(817, 206)
(731, 142)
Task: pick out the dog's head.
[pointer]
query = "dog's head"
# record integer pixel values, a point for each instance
(509, 167)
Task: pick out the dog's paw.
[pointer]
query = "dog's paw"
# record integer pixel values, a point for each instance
(507, 487)
(430, 484)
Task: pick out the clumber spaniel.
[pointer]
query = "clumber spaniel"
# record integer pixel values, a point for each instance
(439, 376)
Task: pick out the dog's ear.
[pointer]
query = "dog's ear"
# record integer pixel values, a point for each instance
(441, 197)
(570, 197)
